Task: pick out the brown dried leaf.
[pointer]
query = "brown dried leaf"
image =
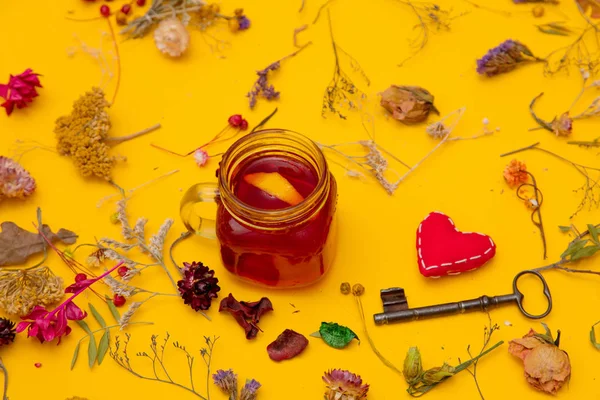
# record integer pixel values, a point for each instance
(17, 244)
(593, 4)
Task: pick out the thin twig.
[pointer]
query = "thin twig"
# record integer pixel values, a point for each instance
(114, 39)
(321, 9)
(120, 139)
(3, 368)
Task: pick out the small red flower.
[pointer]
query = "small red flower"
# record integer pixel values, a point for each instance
(244, 125)
(235, 120)
(20, 90)
(46, 325)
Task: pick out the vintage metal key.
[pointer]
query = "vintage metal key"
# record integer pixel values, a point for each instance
(483, 303)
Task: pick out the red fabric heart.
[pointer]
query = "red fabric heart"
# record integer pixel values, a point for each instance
(443, 250)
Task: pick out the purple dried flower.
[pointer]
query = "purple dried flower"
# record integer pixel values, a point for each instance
(244, 23)
(261, 86)
(227, 381)
(198, 286)
(15, 181)
(504, 58)
(249, 390)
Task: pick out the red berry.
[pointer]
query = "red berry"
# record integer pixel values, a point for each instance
(80, 277)
(122, 271)
(244, 125)
(105, 10)
(141, 3)
(38, 365)
(126, 8)
(119, 301)
(235, 120)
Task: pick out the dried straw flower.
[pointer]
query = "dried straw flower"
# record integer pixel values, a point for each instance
(15, 181)
(249, 390)
(198, 286)
(563, 125)
(515, 173)
(22, 290)
(171, 37)
(96, 258)
(344, 385)
(345, 288)
(408, 104)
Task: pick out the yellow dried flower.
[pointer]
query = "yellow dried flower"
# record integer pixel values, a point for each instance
(80, 135)
(22, 290)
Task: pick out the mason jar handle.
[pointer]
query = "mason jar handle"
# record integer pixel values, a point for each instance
(199, 193)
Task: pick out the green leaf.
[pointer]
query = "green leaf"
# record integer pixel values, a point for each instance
(84, 326)
(97, 315)
(316, 334)
(336, 336)
(585, 252)
(76, 355)
(113, 309)
(574, 247)
(103, 346)
(564, 228)
(593, 233)
(593, 336)
(92, 351)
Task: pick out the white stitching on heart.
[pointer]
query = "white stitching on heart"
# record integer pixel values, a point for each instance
(448, 264)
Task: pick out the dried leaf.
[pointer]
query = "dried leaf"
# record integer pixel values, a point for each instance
(246, 314)
(564, 228)
(113, 309)
(554, 28)
(17, 244)
(336, 336)
(593, 4)
(593, 336)
(103, 346)
(593, 233)
(76, 355)
(287, 346)
(97, 315)
(573, 248)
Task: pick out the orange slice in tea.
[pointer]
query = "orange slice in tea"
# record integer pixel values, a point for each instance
(275, 185)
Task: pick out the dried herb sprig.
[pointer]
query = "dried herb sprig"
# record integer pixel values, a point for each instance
(591, 186)
(341, 91)
(159, 367)
(583, 52)
(488, 331)
(262, 87)
(159, 10)
(430, 16)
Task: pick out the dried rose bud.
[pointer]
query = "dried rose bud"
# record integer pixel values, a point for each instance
(437, 374)
(408, 104)
(413, 367)
(345, 288)
(358, 289)
(547, 368)
(563, 125)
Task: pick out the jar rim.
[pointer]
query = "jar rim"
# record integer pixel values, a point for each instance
(290, 213)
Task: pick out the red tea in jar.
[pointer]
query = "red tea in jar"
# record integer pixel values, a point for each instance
(292, 254)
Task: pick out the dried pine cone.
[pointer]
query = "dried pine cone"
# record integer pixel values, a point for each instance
(171, 37)
(7, 331)
(198, 286)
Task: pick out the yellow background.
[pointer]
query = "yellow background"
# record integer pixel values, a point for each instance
(193, 96)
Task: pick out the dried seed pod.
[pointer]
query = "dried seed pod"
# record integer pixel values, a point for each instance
(171, 37)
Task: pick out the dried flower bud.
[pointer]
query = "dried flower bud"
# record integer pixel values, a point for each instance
(504, 58)
(121, 18)
(413, 367)
(538, 11)
(171, 37)
(114, 218)
(408, 104)
(358, 289)
(437, 374)
(345, 288)
(515, 173)
(234, 24)
(563, 125)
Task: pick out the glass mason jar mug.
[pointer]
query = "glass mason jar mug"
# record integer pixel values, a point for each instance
(276, 205)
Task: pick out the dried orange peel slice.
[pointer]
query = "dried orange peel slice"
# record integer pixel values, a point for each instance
(275, 185)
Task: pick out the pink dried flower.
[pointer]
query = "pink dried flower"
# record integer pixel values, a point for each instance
(15, 181)
(20, 90)
(49, 325)
(201, 157)
(344, 385)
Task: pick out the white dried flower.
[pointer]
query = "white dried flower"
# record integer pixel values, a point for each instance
(119, 288)
(171, 37)
(201, 157)
(437, 130)
(139, 227)
(157, 242)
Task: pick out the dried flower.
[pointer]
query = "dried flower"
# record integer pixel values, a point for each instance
(22, 290)
(547, 368)
(15, 181)
(515, 173)
(413, 367)
(157, 241)
(20, 90)
(7, 331)
(198, 286)
(246, 314)
(171, 37)
(344, 385)
(249, 390)
(126, 317)
(504, 58)
(408, 104)
(563, 125)
(345, 288)
(96, 258)
(358, 289)
(227, 382)
(538, 11)
(201, 157)
(244, 23)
